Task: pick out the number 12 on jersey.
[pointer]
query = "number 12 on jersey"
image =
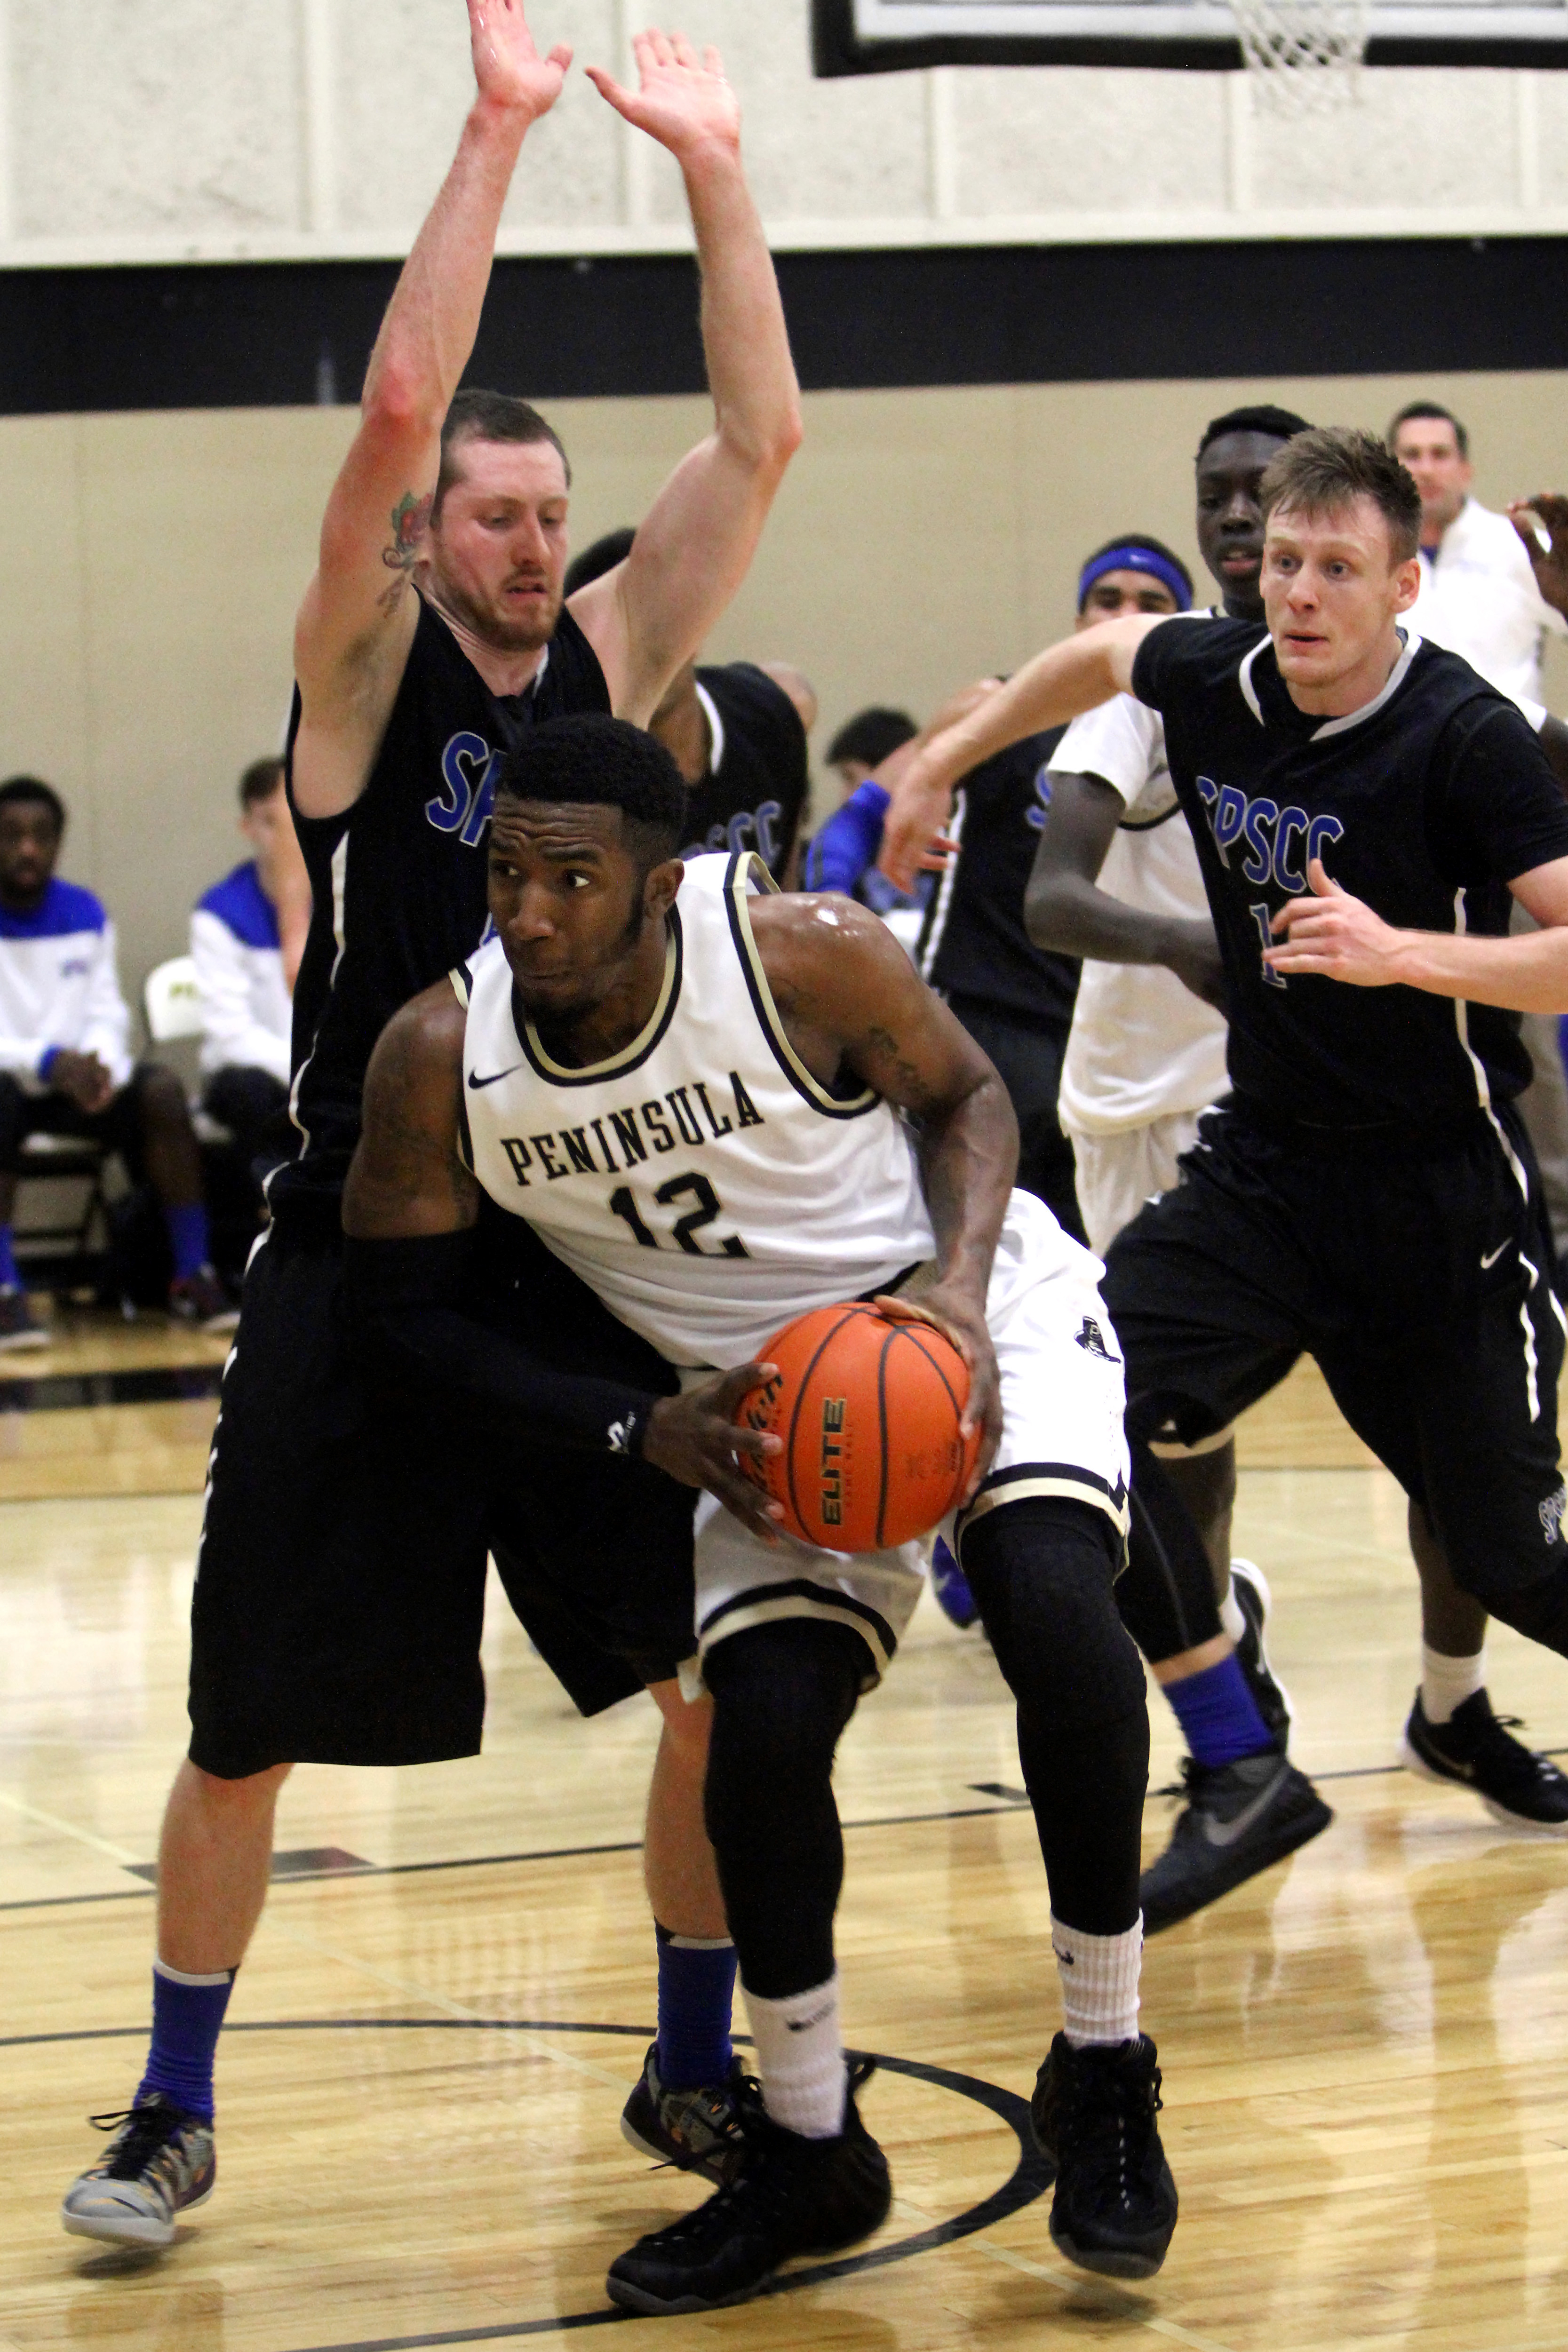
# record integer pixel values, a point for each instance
(684, 1230)
(1260, 914)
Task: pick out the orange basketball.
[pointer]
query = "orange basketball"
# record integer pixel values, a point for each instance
(868, 1412)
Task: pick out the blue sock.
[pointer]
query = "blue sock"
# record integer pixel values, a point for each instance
(1216, 1712)
(9, 1277)
(187, 1239)
(187, 2018)
(696, 1999)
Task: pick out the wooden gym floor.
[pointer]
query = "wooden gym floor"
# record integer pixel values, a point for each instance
(1365, 2052)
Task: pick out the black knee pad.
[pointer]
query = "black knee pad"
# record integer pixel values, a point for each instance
(1042, 1573)
(1166, 1598)
(781, 1695)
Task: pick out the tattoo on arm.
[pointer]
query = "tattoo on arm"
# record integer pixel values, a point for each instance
(410, 520)
(913, 1092)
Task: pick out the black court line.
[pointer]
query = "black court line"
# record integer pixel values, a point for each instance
(76, 1392)
(1010, 1800)
(1029, 2179)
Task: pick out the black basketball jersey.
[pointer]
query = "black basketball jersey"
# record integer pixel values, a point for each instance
(973, 944)
(399, 878)
(755, 793)
(1423, 803)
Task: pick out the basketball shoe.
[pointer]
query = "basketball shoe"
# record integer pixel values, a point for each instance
(1473, 1747)
(160, 2163)
(1093, 2116)
(790, 2196)
(19, 1327)
(1269, 1695)
(699, 2130)
(1239, 1818)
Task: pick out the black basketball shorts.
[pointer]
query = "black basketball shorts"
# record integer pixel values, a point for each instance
(1419, 1275)
(340, 1587)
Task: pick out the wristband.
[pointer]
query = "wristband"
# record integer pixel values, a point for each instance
(46, 1061)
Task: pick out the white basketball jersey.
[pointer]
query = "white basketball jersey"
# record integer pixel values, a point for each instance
(701, 1180)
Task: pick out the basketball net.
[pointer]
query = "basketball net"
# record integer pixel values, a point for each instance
(1303, 57)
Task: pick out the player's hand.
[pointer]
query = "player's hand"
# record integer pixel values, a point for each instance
(507, 68)
(1336, 935)
(961, 1320)
(914, 835)
(681, 100)
(1550, 564)
(82, 1078)
(694, 1438)
(1191, 952)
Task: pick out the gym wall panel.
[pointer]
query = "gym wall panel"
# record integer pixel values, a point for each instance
(922, 538)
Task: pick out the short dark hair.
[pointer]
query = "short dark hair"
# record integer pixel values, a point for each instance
(871, 735)
(478, 416)
(1278, 424)
(1323, 471)
(587, 760)
(602, 556)
(33, 788)
(260, 781)
(1414, 408)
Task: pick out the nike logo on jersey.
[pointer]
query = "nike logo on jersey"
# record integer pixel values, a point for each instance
(1224, 1833)
(1491, 1261)
(476, 1082)
(1280, 843)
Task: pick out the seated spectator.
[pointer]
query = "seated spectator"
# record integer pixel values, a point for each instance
(65, 1061)
(247, 935)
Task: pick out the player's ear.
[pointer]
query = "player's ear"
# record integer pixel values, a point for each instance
(661, 886)
(1406, 583)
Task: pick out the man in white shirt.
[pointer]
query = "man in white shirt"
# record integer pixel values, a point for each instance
(247, 938)
(1480, 592)
(1483, 580)
(65, 1060)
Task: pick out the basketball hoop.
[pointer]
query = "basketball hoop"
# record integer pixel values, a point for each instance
(1303, 57)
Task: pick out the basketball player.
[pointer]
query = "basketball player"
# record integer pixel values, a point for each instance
(1363, 807)
(340, 1583)
(1118, 878)
(830, 1131)
(737, 732)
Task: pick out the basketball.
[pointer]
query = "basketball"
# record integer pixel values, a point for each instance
(868, 1412)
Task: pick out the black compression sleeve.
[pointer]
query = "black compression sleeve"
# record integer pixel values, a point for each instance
(410, 1301)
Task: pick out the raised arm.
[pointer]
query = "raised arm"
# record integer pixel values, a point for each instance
(1066, 913)
(1067, 678)
(1549, 564)
(850, 999)
(359, 614)
(695, 544)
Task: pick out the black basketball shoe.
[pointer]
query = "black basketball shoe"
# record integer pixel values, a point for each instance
(700, 2130)
(1239, 1818)
(158, 2164)
(1269, 1695)
(790, 2196)
(1093, 2114)
(1473, 1747)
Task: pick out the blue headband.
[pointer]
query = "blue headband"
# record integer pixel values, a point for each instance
(1134, 558)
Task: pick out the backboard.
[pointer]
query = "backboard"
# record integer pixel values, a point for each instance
(858, 36)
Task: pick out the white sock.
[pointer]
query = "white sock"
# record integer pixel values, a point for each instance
(801, 2059)
(1447, 1683)
(1230, 1616)
(1099, 1983)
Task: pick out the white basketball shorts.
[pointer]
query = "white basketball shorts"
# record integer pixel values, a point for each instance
(1062, 1436)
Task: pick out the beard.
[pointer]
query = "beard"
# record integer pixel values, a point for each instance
(493, 624)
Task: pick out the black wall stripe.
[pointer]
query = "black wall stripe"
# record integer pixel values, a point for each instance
(287, 334)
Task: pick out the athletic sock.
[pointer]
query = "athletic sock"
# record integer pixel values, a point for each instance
(187, 1239)
(1447, 1683)
(1218, 1715)
(187, 2018)
(10, 1273)
(801, 2059)
(696, 1997)
(1230, 1614)
(1099, 1983)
